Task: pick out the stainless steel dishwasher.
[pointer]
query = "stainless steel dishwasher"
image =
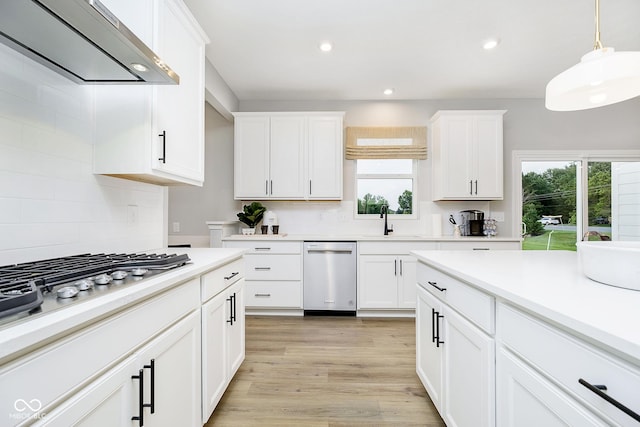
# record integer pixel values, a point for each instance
(329, 279)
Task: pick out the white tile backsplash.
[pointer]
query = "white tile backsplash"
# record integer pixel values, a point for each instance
(51, 204)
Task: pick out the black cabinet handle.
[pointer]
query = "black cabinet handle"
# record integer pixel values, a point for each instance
(401, 267)
(266, 187)
(234, 274)
(395, 267)
(597, 389)
(163, 135)
(233, 308)
(271, 191)
(152, 403)
(309, 187)
(139, 377)
(470, 186)
(433, 325)
(230, 320)
(435, 285)
(438, 317)
(476, 181)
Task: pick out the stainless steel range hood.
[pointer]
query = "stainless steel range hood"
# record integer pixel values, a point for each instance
(82, 40)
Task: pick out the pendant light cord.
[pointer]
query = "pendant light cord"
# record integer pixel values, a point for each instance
(597, 44)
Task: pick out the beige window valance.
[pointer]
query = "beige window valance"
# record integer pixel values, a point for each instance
(386, 143)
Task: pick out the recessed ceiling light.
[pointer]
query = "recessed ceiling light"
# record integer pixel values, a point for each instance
(388, 91)
(326, 46)
(490, 44)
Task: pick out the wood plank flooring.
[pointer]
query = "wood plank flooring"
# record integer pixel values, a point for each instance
(327, 371)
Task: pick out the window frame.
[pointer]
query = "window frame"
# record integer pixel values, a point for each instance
(414, 192)
(582, 159)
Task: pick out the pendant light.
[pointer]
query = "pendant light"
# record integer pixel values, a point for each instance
(602, 77)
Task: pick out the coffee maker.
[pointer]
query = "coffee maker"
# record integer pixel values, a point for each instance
(472, 222)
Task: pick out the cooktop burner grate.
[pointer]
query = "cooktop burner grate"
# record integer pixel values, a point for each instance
(22, 285)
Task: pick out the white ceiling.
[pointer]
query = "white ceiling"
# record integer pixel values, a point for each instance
(424, 49)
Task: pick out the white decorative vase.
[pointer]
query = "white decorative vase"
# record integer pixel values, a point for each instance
(249, 231)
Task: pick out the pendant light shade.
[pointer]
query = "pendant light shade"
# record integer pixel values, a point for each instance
(602, 77)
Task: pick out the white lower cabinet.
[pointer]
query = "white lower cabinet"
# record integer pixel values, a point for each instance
(584, 385)
(387, 281)
(168, 396)
(223, 331)
(273, 276)
(527, 399)
(455, 362)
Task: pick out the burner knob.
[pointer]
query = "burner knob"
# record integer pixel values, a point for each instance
(84, 284)
(102, 279)
(67, 292)
(119, 275)
(139, 271)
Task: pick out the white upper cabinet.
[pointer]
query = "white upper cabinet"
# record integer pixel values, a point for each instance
(467, 152)
(288, 156)
(156, 133)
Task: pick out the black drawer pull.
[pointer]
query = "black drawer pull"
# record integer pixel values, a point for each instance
(597, 389)
(262, 268)
(435, 285)
(262, 295)
(152, 404)
(232, 275)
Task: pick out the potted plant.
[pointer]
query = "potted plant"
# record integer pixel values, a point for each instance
(251, 215)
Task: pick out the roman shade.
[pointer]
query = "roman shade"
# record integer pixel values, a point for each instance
(386, 143)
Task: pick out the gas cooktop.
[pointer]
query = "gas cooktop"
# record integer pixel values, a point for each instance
(37, 287)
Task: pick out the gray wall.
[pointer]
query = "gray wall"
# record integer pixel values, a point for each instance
(193, 206)
(528, 125)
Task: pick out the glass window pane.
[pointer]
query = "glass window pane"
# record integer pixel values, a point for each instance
(384, 166)
(549, 205)
(614, 201)
(396, 193)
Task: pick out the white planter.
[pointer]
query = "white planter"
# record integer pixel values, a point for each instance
(249, 231)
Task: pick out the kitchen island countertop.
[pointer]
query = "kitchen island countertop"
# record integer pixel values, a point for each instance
(550, 284)
(23, 335)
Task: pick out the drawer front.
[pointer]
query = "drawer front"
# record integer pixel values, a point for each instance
(221, 278)
(273, 294)
(73, 361)
(567, 359)
(273, 267)
(480, 246)
(472, 303)
(394, 248)
(266, 247)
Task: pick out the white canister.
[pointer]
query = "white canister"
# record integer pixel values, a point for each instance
(270, 218)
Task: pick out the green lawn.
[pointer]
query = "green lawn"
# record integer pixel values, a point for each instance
(560, 240)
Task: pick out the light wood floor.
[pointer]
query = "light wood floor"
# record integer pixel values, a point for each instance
(327, 371)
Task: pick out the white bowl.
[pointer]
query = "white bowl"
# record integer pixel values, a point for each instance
(613, 263)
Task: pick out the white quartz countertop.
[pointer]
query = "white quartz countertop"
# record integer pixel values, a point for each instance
(551, 285)
(366, 237)
(22, 335)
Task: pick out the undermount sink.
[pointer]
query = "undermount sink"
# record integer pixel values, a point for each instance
(613, 263)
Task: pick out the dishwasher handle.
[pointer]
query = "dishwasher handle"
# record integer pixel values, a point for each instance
(330, 251)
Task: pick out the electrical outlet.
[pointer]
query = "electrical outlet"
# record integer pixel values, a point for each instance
(498, 216)
(176, 227)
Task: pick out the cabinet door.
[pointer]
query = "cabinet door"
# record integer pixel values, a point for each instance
(214, 354)
(407, 282)
(107, 402)
(179, 109)
(325, 151)
(487, 152)
(286, 172)
(428, 354)
(457, 160)
(469, 374)
(235, 330)
(378, 281)
(526, 399)
(176, 357)
(251, 157)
